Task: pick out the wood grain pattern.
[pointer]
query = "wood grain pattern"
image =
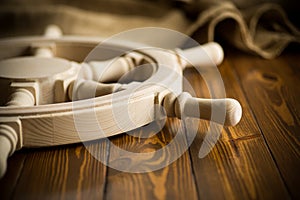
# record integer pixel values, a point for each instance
(241, 148)
(61, 128)
(11, 178)
(101, 118)
(258, 159)
(274, 97)
(63, 173)
(171, 182)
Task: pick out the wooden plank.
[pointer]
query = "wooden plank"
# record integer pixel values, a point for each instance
(271, 86)
(15, 166)
(240, 165)
(68, 172)
(174, 181)
(232, 89)
(237, 169)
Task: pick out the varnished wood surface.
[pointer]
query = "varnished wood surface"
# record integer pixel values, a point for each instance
(257, 159)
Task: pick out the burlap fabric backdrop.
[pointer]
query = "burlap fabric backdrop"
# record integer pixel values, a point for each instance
(263, 28)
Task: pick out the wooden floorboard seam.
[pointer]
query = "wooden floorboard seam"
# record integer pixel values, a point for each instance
(260, 129)
(191, 160)
(106, 172)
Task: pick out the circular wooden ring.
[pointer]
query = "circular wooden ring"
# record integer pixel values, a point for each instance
(55, 124)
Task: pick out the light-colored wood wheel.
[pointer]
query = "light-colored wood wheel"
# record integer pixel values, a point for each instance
(52, 97)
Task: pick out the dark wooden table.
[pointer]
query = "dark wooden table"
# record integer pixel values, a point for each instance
(257, 159)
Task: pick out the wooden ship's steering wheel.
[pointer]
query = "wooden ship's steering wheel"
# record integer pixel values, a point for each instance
(45, 85)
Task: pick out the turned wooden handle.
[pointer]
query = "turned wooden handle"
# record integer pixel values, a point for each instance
(112, 70)
(46, 49)
(53, 31)
(8, 137)
(21, 97)
(85, 89)
(8, 143)
(225, 111)
(207, 55)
